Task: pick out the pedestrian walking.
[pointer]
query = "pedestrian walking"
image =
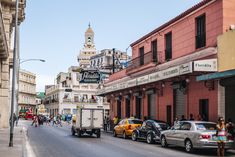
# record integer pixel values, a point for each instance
(221, 136)
(105, 124)
(115, 121)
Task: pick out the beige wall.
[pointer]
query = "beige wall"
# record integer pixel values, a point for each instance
(226, 51)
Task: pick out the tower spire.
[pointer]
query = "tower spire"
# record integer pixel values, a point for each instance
(89, 25)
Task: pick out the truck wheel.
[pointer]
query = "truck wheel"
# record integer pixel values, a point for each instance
(72, 131)
(98, 134)
(79, 133)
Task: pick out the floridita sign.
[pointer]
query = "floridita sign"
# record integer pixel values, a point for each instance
(205, 65)
(89, 76)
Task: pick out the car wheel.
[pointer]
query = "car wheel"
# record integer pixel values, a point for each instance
(134, 136)
(188, 146)
(149, 139)
(164, 142)
(124, 135)
(114, 133)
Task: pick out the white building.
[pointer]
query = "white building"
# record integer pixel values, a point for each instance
(27, 90)
(69, 92)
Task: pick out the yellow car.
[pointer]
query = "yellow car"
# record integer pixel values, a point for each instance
(126, 126)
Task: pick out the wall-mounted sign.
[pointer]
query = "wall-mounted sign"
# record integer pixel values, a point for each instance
(89, 76)
(156, 76)
(131, 83)
(143, 79)
(205, 65)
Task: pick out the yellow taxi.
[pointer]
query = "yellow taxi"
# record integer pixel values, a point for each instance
(126, 126)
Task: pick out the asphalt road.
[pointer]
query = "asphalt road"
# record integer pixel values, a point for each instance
(52, 141)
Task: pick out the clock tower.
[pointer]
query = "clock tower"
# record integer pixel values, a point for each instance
(88, 49)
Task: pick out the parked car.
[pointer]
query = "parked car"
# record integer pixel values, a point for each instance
(126, 126)
(150, 131)
(193, 135)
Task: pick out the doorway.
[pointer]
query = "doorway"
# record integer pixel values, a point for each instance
(204, 109)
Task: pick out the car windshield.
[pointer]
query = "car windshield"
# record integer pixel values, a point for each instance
(161, 126)
(205, 126)
(135, 121)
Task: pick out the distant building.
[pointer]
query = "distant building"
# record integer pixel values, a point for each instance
(27, 90)
(75, 88)
(106, 62)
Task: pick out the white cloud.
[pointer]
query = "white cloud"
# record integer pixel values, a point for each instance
(42, 80)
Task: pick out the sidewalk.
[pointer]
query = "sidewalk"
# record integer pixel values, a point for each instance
(18, 142)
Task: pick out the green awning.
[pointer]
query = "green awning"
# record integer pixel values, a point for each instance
(217, 75)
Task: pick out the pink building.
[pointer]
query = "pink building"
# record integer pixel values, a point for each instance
(160, 81)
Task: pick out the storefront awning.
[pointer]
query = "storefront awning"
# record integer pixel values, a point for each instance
(217, 75)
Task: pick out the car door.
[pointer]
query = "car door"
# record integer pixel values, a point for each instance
(119, 127)
(142, 130)
(183, 133)
(171, 135)
(148, 128)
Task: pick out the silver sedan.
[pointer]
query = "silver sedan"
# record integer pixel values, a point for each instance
(193, 135)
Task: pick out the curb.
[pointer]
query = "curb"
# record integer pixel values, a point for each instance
(24, 152)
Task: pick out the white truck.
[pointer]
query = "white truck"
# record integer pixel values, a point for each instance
(89, 121)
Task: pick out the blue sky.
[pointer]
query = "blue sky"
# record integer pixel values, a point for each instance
(54, 29)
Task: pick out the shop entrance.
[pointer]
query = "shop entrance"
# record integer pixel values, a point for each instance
(179, 103)
(138, 103)
(128, 107)
(152, 106)
(204, 109)
(119, 108)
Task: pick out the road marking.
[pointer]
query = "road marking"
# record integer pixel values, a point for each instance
(29, 150)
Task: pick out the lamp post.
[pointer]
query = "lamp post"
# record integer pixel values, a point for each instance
(26, 60)
(13, 93)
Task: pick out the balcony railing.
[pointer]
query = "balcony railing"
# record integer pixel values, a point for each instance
(147, 58)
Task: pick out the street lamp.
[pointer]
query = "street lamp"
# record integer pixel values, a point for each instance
(26, 60)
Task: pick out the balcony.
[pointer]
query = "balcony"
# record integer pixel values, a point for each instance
(141, 61)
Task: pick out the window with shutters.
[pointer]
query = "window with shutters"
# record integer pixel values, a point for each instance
(168, 45)
(141, 54)
(154, 50)
(201, 31)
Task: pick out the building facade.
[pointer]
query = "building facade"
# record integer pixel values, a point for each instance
(109, 61)
(70, 92)
(7, 14)
(27, 91)
(160, 81)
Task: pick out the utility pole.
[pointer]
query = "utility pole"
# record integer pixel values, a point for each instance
(113, 60)
(13, 91)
